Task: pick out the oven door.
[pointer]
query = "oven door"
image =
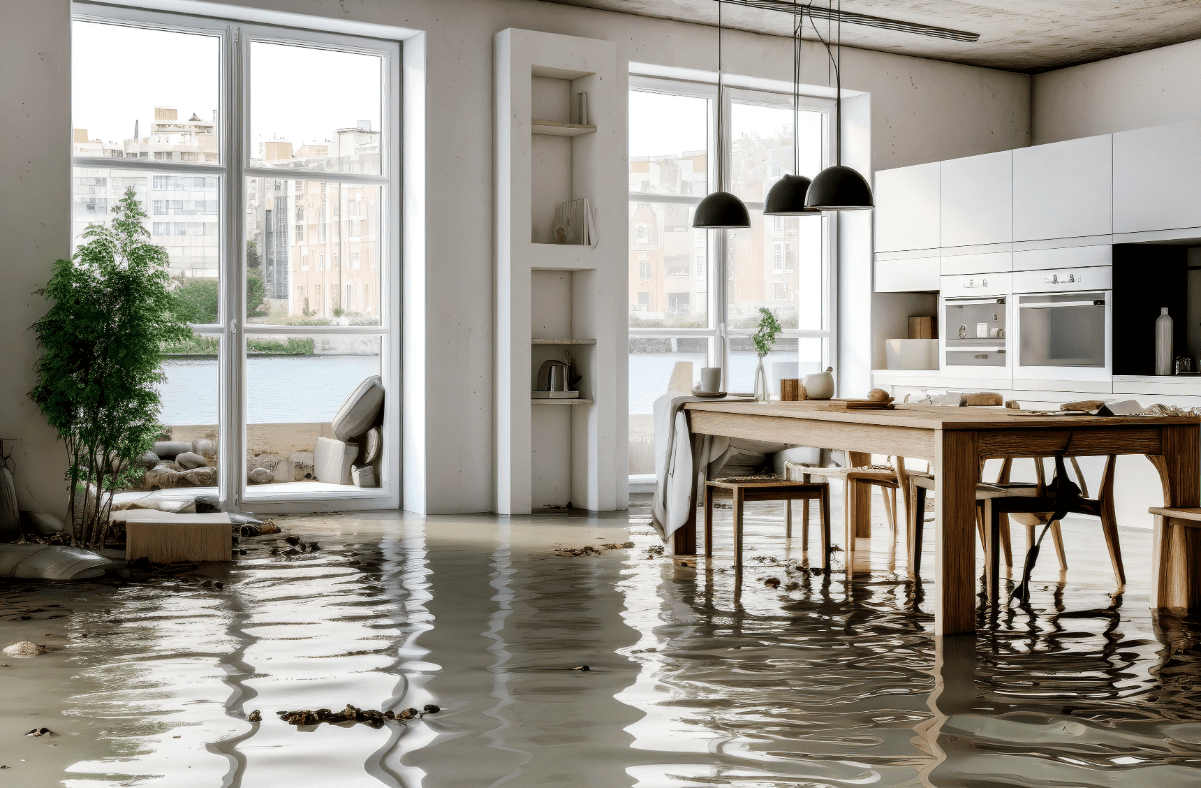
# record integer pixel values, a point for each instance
(1064, 336)
(975, 339)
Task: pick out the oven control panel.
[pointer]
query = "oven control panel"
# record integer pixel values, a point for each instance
(976, 285)
(1064, 280)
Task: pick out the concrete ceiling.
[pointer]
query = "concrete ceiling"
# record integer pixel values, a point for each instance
(1028, 36)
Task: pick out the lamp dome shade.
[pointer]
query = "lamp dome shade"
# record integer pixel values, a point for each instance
(787, 197)
(721, 211)
(839, 188)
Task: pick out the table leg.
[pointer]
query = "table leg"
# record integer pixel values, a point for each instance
(684, 538)
(860, 508)
(1177, 584)
(738, 493)
(708, 521)
(957, 468)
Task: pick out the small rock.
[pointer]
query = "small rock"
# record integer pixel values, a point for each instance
(25, 648)
(255, 716)
(207, 584)
(772, 582)
(169, 450)
(149, 460)
(204, 447)
(189, 460)
(260, 476)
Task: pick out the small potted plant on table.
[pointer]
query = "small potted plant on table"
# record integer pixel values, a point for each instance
(764, 339)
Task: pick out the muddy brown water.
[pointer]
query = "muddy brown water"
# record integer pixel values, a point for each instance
(698, 678)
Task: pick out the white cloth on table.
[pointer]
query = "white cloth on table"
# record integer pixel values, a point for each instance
(676, 457)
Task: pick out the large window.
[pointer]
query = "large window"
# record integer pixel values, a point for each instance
(282, 332)
(695, 295)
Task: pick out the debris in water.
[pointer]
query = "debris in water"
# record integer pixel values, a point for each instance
(292, 540)
(369, 717)
(207, 584)
(431, 709)
(772, 582)
(654, 551)
(40, 732)
(314, 547)
(581, 667)
(25, 648)
(255, 716)
(793, 586)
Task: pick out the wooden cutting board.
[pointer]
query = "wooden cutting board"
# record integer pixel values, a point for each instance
(858, 404)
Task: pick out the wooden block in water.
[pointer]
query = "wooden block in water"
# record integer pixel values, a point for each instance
(165, 538)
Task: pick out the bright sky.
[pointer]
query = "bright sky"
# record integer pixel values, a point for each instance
(298, 94)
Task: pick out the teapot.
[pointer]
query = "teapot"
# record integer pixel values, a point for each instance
(554, 376)
(820, 385)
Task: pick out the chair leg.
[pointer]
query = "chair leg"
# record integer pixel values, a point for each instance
(708, 521)
(825, 527)
(991, 551)
(980, 526)
(788, 519)
(1006, 542)
(1057, 538)
(890, 511)
(805, 518)
(1109, 521)
(737, 526)
(919, 525)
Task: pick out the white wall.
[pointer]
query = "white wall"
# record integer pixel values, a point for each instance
(920, 111)
(1130, 92)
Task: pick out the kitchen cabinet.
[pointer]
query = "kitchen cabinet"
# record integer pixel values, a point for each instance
(907, 275)
(981, 263)
(1155, 177)
(1065, 257)
(907, 208)
(977, 200)
(1063, 190)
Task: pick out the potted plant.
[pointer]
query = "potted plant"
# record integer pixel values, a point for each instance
(764, 339)
(111, 310)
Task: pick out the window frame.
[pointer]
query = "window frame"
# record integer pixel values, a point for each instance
(717, 251)
(233, 170)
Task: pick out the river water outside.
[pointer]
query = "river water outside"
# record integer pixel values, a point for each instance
(698, 677)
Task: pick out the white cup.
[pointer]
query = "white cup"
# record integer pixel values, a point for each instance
(710, 380)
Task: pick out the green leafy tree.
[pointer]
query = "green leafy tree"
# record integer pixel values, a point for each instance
(111, 310)
(256, 291)
(196, 300)
(769, 329)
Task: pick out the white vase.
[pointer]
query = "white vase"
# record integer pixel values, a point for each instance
(762, 390)
(1163, 342)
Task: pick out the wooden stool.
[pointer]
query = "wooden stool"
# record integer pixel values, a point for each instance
(1175, 578)
(165, 538)
(743, 490)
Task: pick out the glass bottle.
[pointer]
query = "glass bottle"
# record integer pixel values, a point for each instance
(1163, 342)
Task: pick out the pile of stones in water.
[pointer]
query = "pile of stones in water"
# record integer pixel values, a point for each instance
(577, 552)
(368, 717)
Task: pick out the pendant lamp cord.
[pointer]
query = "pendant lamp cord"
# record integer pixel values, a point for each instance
(837, 76)
(797, 24)
(721, 111)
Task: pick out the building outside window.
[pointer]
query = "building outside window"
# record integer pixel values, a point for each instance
(703, 304)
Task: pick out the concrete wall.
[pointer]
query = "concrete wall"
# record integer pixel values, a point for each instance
(1129, 92)
(920, 111)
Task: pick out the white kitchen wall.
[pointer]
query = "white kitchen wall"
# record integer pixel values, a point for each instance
(920, 111)
(1130, 92)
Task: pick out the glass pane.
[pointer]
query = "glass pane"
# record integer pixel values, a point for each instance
(182, 217)
(777, 263)
(294, 387)
(653, 362)
(669, 279)
(669, 142)
(791, 357)
(761, 147)
(315, 108)
(145, 94)
(313, 252)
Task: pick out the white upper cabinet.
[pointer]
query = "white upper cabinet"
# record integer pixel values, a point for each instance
(1063, 190)
(907, 208)
(977, 200)
(1156, 178)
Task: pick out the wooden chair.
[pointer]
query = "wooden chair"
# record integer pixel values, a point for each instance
(1177, 544)
(745, 489)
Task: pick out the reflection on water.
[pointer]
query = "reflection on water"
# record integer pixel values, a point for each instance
(697, 678)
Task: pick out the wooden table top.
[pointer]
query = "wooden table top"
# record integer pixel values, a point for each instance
(933, 417)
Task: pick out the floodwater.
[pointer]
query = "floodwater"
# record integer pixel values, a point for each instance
(698, 678)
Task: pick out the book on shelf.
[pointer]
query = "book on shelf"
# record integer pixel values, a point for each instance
(575, 223)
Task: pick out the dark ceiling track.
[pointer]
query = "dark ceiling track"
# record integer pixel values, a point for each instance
(879, 22)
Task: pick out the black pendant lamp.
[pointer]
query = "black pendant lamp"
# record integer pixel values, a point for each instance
(787, 196)
(720, 210)
(838, 188)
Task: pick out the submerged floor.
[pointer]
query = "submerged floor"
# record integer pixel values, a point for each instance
(698, 678)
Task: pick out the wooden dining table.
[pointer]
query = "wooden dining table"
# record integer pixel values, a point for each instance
(957, 441)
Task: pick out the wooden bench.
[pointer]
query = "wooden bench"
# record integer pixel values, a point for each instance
(1175, 553)
(166, 538)
(744, 490)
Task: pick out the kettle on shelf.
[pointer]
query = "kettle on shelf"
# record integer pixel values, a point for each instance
(554, 376)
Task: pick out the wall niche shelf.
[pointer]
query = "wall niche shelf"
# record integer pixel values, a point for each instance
(548, 458)
(555, 128)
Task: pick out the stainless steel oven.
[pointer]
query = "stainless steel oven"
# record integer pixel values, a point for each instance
(1063, 324)
(975, 332)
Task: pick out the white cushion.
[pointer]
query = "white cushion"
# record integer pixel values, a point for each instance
(361, 410)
